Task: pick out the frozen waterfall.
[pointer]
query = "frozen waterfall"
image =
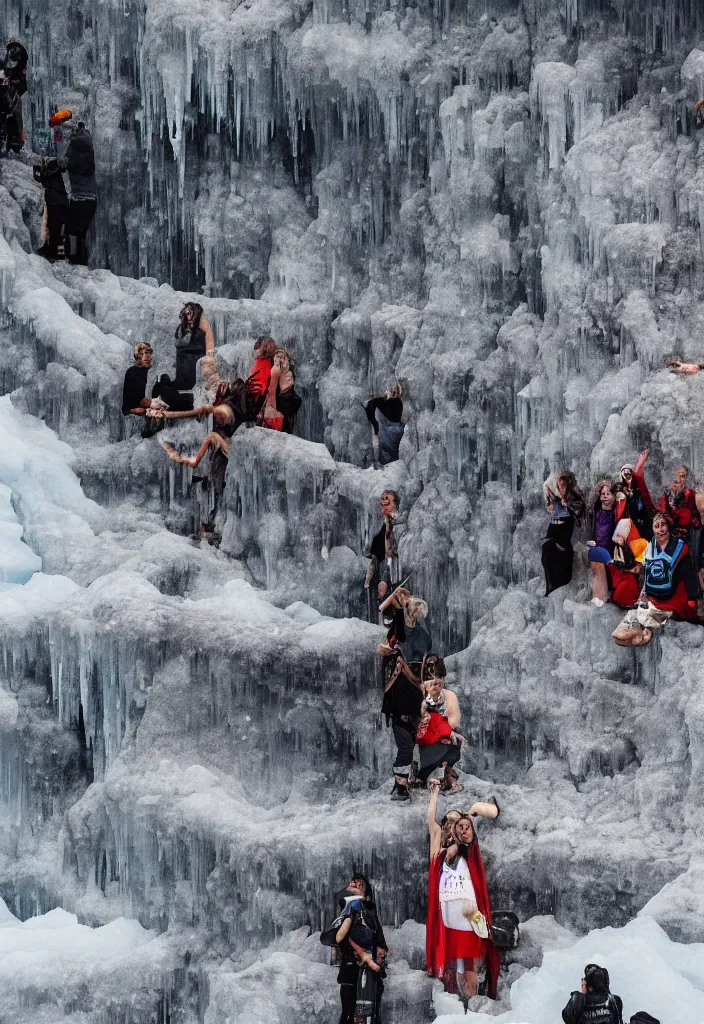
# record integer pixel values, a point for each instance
(498, 204)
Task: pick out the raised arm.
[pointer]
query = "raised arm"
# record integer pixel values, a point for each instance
(209, 336)
(434, 830)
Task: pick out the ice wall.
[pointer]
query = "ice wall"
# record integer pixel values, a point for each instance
(498, 204)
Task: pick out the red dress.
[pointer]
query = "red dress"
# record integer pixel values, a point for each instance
(440, 944)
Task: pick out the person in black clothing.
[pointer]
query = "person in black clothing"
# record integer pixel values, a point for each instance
(13, 86)
(194, 340)
(383, 558)
(79, 163)
(594, 1004)
(384, 413)
(134, 389)
(566, 507)
(360, 937)
(401, 706)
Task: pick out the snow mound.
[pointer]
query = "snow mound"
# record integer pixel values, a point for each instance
(647, 970)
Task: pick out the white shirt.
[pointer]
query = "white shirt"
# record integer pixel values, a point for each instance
(456, 890)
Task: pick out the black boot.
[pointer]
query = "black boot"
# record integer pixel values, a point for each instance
(400, 793)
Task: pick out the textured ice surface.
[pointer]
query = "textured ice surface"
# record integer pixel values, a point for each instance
(647, 969)
(502, 206)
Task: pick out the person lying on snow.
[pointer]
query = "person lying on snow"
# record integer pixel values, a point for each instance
(670, 588)
(594, 1004)
(566, 508)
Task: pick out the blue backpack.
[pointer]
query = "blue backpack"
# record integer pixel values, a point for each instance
(660, 568)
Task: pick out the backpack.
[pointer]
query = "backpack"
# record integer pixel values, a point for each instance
(504, 931)
(606, 1012)
(660, 568)
(643, 1018)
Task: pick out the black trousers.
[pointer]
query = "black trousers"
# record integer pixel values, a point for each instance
(347, 977)
(80, 217)
(405, 737)
(446, 753)
(55, 220)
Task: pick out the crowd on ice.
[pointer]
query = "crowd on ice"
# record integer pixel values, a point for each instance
(644, 553)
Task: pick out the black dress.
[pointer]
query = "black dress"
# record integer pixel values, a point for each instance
(189, 350)
(134, 388)
(558, 554)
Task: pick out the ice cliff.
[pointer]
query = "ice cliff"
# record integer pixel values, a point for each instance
(500, 203)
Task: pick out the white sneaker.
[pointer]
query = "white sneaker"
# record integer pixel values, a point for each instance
(598, 602)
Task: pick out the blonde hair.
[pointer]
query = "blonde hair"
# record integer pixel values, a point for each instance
(141, 350)
(414, 610)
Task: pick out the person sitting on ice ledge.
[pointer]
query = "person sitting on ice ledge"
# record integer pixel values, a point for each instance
(194, 341)
(134, 388)
(566, 508)
(594, 1004)
(439, 742)
(602, 514)
(282, 402)
(458, 947)
(234, 404)
(388, 430)
(670, 588)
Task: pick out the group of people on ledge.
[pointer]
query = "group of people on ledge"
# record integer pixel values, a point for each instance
(464, 940)
(266, 397)
(645, 555)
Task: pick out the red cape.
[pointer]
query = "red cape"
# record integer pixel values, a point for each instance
(435, 929)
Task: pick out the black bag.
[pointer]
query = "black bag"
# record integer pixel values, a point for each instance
(643, 1018)
(504, 932)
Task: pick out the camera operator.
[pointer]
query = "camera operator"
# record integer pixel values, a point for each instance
(13, 86)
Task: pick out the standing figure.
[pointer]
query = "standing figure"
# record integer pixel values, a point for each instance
(457, 943)
(360, 937)
(13, 86)
(79, 163)
(384, 413)
(383, 552)
(566, 508)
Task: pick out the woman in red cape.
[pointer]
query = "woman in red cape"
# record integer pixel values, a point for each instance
(446, 949)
